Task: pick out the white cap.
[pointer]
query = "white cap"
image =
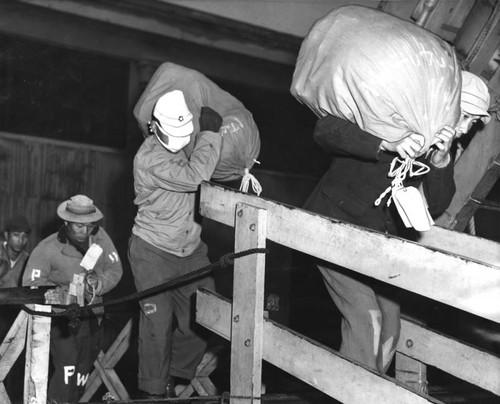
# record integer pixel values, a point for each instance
(173, 114)
(475, 97)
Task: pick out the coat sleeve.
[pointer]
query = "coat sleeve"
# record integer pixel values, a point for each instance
(342, 137)
(185, 175)
(38, 268)
(439, 188)
(110, 269)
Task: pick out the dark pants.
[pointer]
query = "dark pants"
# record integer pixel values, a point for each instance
(165, 350)
(73, 353)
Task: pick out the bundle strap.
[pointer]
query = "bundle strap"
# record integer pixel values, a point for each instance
(250, 179)
(399, 170)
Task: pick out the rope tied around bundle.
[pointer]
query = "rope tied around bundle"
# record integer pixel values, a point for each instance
(399, 170)
(74, 311)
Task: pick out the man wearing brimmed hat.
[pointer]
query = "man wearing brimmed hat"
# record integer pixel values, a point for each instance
(357, 176)
(81, 247)
(165, 241)
(13, 254)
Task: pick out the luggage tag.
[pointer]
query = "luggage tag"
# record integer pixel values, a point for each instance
(397, 203)
(412, 208)
(91, 257)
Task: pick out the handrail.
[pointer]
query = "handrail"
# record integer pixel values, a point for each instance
(456, 280)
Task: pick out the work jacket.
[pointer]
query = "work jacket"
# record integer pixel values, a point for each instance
(11, 277)
(165, 187)
(358, 175)
(55, 260)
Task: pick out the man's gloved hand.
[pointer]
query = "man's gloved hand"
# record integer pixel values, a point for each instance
(210, 120)
(92, 279)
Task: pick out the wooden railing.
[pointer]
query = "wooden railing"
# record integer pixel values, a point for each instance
(462, 282)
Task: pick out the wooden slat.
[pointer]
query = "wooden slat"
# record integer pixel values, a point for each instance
(13, 344)
(37, 357)
(458, 359)
(470, 168)
(105, 363)
(248, 305)
(473, 247)
(309, 361)
(412, 373)
(457, 281)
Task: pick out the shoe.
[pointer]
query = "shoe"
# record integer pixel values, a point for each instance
(170, 389)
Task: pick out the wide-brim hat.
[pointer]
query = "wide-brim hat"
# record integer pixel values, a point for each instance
(79, 209)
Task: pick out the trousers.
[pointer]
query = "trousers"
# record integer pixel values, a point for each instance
(73, 352)
(371, 321)
(170, 341)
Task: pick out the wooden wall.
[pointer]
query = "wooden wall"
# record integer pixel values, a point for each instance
(37, 174)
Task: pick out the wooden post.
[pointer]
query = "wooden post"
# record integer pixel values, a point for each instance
(248, 306)
(37, 357)
(412, 373)
(10, 349)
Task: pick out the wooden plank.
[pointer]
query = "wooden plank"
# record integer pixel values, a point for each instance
(4, 397)
(111, 381)
(309, 361)
(473, 247)
(456, 358)
(470, 168)
(37, 357)
(208, 386)
(248, 306)
(108, 361)
(13, 344)
(471, 286)
(411, 373)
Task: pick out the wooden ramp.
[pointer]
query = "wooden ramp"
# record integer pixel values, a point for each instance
(456, 280)
(476, 171)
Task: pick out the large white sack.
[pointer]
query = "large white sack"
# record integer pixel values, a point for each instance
(387, 75)
(241, 141)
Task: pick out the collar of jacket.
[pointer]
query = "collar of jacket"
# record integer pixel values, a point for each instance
(63, 238)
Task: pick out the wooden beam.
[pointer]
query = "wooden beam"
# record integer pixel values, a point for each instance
(104, 367)
(473, 247)
(466, 284)
(182, 23)
(74, 31)
(13, 344)
(248, 306)
(476, 160)
(463, 361)
(412, 373)
(309, 361)
(37, 357)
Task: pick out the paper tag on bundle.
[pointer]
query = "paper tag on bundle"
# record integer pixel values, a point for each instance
(412, 208)
(91, 257)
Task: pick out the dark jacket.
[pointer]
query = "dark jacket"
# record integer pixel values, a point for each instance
(358, 175)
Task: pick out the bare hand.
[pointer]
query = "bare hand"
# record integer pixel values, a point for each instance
(92, 279)
(409, 146)
(440, 155)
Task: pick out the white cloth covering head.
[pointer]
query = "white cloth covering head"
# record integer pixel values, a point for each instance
(475, 97)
